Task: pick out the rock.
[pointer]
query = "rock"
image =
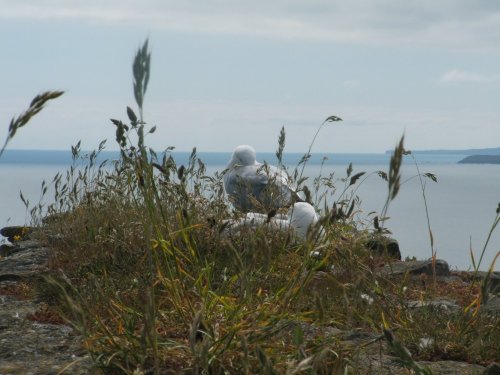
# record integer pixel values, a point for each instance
(492, 369)
(30, 347)
(28, 344)
(381, 364)
(7, 249)
(492, 306)
(416, 267)
(453, 368)
(382, 245)
(25, 263)
(493, 279)
(442, 304)
(15, 233)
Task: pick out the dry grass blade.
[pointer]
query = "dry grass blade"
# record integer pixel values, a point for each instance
(36, 105)
(281, 146)
(141, 69)
(395, 169)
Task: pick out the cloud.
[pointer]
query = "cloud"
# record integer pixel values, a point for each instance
(461, 76)
(351, 84)
(461, 24)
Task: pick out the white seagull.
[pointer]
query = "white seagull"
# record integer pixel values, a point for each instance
(249, 183)
(301, 217)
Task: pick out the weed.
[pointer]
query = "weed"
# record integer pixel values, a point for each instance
(143, 267)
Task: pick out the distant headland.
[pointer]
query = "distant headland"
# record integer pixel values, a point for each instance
(472, 151)
(481, 159)
(472, 156)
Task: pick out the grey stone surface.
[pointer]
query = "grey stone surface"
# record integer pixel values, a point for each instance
(491, 307)
(24, 264)
(441, 304)
(453, 368)
(385, 365)
(382, 245)
(492, 369)
(416, 267)
(12, 231)
(27, 346)
(8, 249)
(493, 280)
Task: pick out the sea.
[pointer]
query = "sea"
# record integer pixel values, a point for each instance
(461, 204)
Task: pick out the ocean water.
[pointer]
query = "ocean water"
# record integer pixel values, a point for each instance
(461, 204)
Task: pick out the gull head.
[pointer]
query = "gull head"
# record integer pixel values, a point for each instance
(243, 155)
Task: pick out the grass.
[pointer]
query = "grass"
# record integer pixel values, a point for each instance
(142, 267)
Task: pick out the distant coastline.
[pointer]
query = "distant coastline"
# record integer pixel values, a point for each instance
(290, 159)
(469, 156)
(467, 152)
(481, 159)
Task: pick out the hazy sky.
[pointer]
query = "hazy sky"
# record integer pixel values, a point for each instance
(227, 72)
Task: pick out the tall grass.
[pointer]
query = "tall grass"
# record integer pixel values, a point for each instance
(36, 105)
(144, 268)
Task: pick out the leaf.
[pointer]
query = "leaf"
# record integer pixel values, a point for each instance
(333, 118)
(281, 145)
(180, 172)
(431, 176)
(36, 105)
(131, 115)
(356, 178)
(141, 70)
(473, 259)
(351, 209)
(349, 169)
(102, 144)
(24, 200)
(307, 193)
(298, 335)
(116, 122)
(152, 130)
(383, 175)
(304, 158)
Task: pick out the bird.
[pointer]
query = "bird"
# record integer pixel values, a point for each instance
(251, 185)
(300, 218)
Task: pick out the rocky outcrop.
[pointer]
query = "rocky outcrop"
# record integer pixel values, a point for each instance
(28, 344)
(370, 353)
(15, 233)
(382, 245)
(493, 279)
(416, 267)
(31, 347)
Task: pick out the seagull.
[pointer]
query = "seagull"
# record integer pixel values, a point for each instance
(251, 185)
(301, 217)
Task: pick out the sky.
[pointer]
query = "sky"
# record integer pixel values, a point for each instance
(230, 72)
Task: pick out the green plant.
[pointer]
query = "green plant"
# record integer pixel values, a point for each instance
(143, 266)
